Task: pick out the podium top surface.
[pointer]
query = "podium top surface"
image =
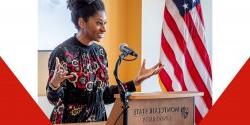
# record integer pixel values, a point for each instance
(162, 95)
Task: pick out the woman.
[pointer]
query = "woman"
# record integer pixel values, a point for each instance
(78, 83)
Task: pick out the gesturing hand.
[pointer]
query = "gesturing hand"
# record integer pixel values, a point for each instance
(60, 74)
(146, 73)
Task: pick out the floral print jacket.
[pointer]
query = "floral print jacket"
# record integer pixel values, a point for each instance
(82, 97)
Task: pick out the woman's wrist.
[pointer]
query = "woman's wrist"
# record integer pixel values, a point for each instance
(136, 81)
(53, 86)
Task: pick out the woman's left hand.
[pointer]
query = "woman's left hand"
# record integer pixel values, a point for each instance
(146, 73)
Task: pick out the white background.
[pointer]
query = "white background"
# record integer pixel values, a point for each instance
(19, 40)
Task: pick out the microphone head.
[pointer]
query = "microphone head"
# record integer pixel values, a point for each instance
(124, 49)
(122, 45)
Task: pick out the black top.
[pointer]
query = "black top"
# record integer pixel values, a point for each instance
(82, 97)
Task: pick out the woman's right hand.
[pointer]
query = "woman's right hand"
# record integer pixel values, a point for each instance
(60, 74)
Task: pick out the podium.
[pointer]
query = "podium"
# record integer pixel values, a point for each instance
(171, 108)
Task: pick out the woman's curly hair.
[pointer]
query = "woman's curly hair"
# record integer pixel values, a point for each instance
(84, 9)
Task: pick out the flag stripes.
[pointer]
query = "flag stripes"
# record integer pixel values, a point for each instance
(184, 53)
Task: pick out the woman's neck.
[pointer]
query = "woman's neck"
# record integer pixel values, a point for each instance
(83, 39)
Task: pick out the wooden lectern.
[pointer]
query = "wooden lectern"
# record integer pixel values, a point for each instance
(171, 108)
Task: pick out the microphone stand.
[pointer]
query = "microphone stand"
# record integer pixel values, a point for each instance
(123, 93)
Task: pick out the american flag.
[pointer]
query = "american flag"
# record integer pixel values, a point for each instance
(184, 53)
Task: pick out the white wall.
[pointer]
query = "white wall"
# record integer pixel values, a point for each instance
(55, 24)
(152, 18)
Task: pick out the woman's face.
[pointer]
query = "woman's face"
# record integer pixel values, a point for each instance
(95, 27)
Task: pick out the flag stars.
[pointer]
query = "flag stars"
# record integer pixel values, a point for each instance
(185, 6)
(194, 1)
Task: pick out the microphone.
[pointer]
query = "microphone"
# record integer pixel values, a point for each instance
(124, 49)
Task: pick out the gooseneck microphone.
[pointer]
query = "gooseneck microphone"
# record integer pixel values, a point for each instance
(124, 94)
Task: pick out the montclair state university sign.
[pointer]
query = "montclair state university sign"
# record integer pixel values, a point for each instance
(178, 111)
(154, 114)
(176, 108)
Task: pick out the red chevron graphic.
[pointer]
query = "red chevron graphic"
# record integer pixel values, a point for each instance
(16, 105)
(232, 108)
